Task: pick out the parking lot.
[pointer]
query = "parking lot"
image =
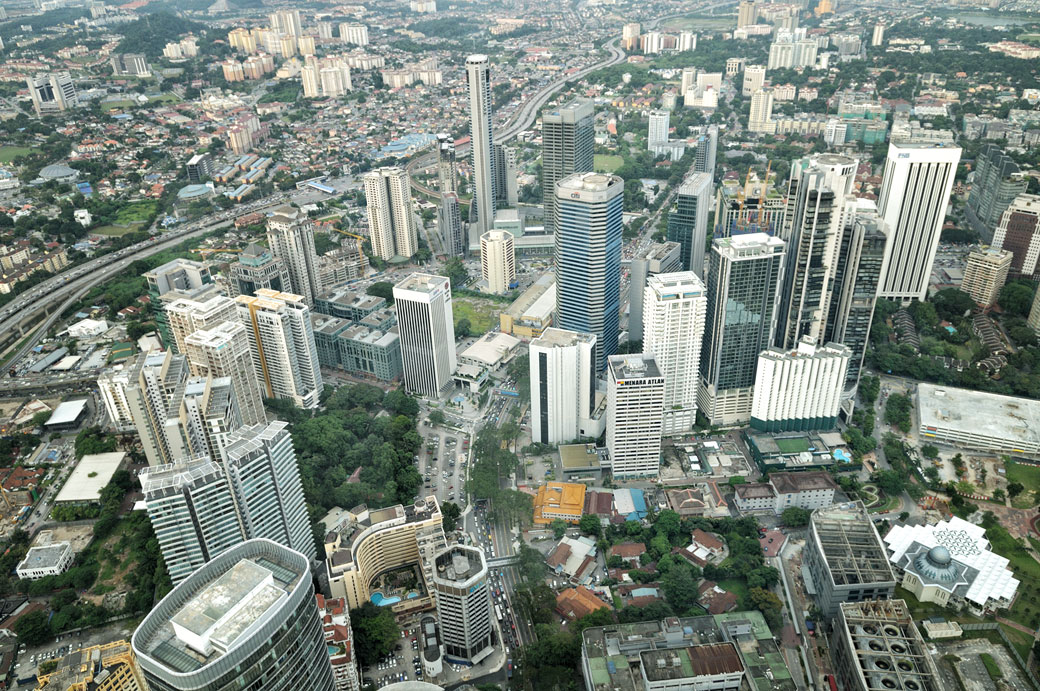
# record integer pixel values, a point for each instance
(33, 656)
(442, 463)
(403, 664)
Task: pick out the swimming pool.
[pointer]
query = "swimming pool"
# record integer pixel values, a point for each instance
(380, 601)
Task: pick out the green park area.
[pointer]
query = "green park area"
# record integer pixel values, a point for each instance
(1029, 477)
(605, 163)
(117, 105)
(9, 153)
(793, 444)
(697, 22)
(138, 212)
(117, 231)
(482, 314)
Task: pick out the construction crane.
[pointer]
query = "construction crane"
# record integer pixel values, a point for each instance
(353, 235)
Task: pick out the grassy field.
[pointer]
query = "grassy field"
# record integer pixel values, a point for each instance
(1025, 610)
(118, 231)
(482, 316)
(607, 164)
(699, 21)
(793, 444)
(165, 98)
(113, 105)
(138, 212)
(9, 153)
(737, 586)
(1029, 477)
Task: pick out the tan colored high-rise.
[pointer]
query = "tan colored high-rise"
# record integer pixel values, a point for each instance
(391, 227)
(760, 119)
(754, 79)
(223, 351)
(985, 274)
(497, 260)
(188, 316)
(747, 13)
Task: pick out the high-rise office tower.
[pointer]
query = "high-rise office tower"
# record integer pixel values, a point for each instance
(130, 64)
(635, 410)
(1019, 233)
(290, 235)
(861, 251)
(447, 170)
(52, 92)
(247, 617)
(985, 274)
(200, 416)
(742, 285)
(659, 258)
(657, 131)
(156, 376)
(754, 79)
(563, 385)
(188, 316)
(497, 261)
(223, 351)
(760, 117)
(630, 33)
(688, 221)
(915, 191)
(257, 268)
(265, 480)
(673, 327)
(799, 390)
(449, 220)
(505, 175)
(463, 604)
(568, 136)
(286, 22)
(177, 278)
(390, 224)
(478, 73)
(996, 183)
(281, 341)
(424, 320)
(707, 146)
(816, 207)
(192, 512)
(588, 258)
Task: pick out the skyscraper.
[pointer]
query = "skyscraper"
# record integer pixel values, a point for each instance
(427, 331)
(742, 284)
(257, 268)
(506, 192)
(816, 198)
(688, 221)
(760, 117)
(588, 257)
(861, 251)
(915, 191)
(1019, 233)
(754, 79)
(707, 145)
(223, 351)
(635, 410)
(188, 316)
(568, 136)
(673, 327)
(290, 235)
(449, 220)
(281, 341)
(286, 22)
(799, 390)
(659, 258)
(996, 183)
(390, 224)
(246, 617)
(463, 604)
(657, 131)
(478, 72)
(52, 92)
(563, 386)
(497, 260)
(170, 281)
(985, 274)
(447, 171)
(156, 376)
(200, 416)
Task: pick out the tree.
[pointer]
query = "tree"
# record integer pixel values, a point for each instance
(951, 303)
(768, 604)
(436, 417)
(795, 517)
(869, 387)
(897, 411)
(455, 270)
(450, 512)
(559, 528)
(1014, 489)
(400, 403)
(668, 523)
(998, 495)
(589, 525)
(463, 328)
(531, 563)
(33, 628)
(903, 515)
(382, 289)
(930, 451)
(680, 587)
(890, 482)
(1016, 298)
(375, 632)
(763, 577)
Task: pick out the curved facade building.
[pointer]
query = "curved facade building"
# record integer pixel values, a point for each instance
(247, 619)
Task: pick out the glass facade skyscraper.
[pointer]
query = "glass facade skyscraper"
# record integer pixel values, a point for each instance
(588, 258)
(688, 221)
(568, 139)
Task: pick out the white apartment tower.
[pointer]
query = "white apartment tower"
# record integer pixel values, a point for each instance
(563, 386)
(290, 235)
(223, 351)
(482, 213)
(427, 332)
(497, 260)
(760, 118)
(281, 341)
(200, 416)
(635, 409)
(658, 128)
(673, 327)
(354, 34)
(799, 389)
(754, 79)
(915, 191)
(463, 604)
(391, 226)
(186, 316)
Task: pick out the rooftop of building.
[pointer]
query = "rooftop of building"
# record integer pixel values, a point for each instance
(533, 296)
(46, 557)
(424, 283)
(586, 183)
(808, 481)
(491, 349)
(660, 250)
(83, 668)
(692, 661)
(575, 603)
(89, 477)
(851, 546)
(677, 284)
(324, 324)
(67, 412)
(749, 244)
(559, 498)
(978, 413)
(807, 348)
(459, 564)
(636, 366)
(560, 338)
(353, 299)
(888, 648)
(359, 519)
(579, 456)
(755, 490)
